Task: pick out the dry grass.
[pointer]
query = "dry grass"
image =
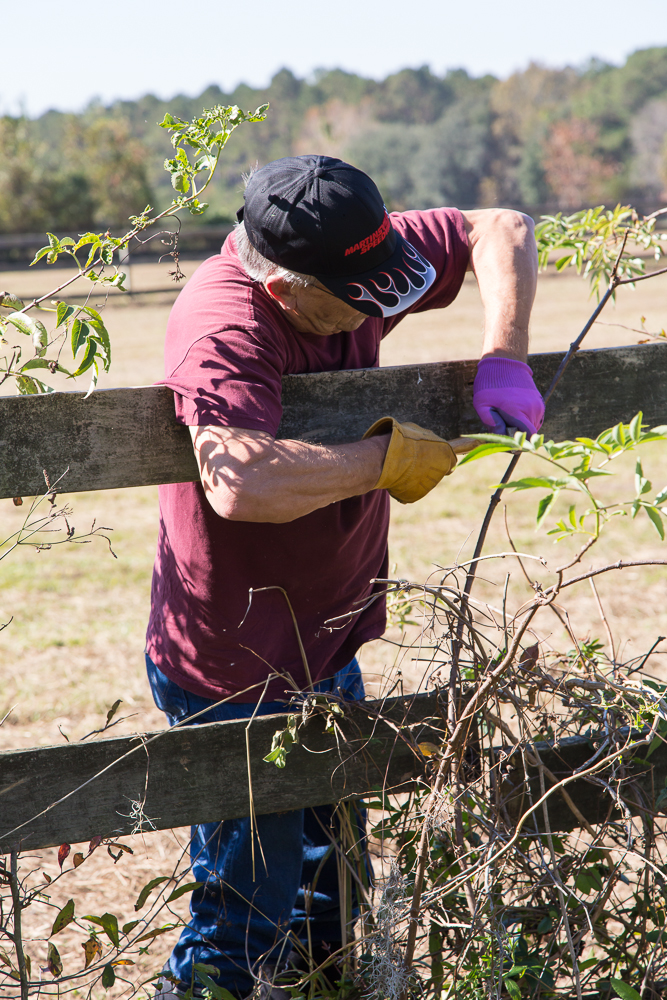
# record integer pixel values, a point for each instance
(76, 640)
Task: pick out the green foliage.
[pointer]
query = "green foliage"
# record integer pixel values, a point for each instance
(543, 137)
(64, 917)
(624, 990)
(580, 475)
(96, 256)
(93, 172)
(591, 240)
(282, 742)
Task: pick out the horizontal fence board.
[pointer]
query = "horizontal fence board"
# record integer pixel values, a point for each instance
(593, 801)
(199, 774)
(129, 437)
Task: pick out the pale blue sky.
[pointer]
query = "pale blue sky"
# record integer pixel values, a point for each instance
(62, 53)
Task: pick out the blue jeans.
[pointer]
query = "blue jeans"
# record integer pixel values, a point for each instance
(236, 921)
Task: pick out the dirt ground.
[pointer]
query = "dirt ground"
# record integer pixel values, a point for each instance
(78, 615)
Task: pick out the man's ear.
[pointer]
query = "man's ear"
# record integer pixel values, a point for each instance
(280, 292)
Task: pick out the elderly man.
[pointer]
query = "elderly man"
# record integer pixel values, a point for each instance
(314, 276)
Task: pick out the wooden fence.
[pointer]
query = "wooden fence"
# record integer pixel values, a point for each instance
(129, 437)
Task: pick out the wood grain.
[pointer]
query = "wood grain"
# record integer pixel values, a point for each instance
(198, 774)
(129, 437)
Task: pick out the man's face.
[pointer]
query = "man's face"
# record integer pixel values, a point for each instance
(314, 309)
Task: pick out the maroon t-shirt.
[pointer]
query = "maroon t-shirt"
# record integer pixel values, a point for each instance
(227, 348)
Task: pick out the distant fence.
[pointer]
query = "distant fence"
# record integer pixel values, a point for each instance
(18, 249)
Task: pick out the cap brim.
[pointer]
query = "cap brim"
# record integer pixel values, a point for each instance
(388, 289)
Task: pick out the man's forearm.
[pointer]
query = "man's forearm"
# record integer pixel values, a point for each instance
(503, 257)
(249, 476)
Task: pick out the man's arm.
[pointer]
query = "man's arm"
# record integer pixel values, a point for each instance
(249, 476)
(503, 257)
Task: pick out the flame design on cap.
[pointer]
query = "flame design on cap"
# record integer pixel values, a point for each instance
(395, 290)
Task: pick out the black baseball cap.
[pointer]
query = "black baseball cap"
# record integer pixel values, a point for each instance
(320, 216)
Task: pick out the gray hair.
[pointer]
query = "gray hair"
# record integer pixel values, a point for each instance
(259, 268)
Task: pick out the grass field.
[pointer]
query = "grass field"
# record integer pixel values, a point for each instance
(75, 641)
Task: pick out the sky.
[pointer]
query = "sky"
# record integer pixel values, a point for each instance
(64, 54)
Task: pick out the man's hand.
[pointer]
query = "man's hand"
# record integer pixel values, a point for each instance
(249, 476)
(505, 396)
(415, 462)
(503, 257)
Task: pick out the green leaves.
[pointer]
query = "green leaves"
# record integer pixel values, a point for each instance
(53, 961)
(624, 990)
(64, 917)
(63, 313)
(207, 134)
(588, 881)
(31, 328)
(571, 465)
(204, 973)
(92, 335)
(544, 506)
(109, 924)
(96, 257)
(54, 248)
(147, 890)
(590, 241)
(108, 976)
(182, 889)
(10, 301)
(282, 742)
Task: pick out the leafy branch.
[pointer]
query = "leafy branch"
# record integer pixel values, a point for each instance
(589, 241)
(198, 145)
(579, 476)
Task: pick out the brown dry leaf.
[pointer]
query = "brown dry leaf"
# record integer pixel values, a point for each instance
(122, 849)
(78, 859)
(54, 962)
(94, 844)
(92, 950)
(63, 854)
(529, 658)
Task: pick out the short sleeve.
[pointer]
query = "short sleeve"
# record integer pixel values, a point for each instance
(224, 356)
(438, 234)
(229, 379)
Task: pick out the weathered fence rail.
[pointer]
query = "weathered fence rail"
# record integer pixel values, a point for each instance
(129, 437)
(199, 774)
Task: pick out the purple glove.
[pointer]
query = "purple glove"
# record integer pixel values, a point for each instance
(504, 395)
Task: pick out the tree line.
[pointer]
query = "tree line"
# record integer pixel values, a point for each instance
(542, 139)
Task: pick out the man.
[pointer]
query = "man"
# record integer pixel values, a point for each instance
(280, 537)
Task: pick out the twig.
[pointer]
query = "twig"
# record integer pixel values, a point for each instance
(251, 799)
(556, 877)
(661, 638)
(621, 564)
(451, 750)
(603, 616)
(17, 936)
(304, 658)
(641, 277)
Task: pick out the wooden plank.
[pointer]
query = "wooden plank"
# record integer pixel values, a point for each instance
(198, 774)
(594, 802)
(129, 437)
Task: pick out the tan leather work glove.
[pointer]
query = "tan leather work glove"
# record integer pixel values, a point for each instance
(415, 462)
